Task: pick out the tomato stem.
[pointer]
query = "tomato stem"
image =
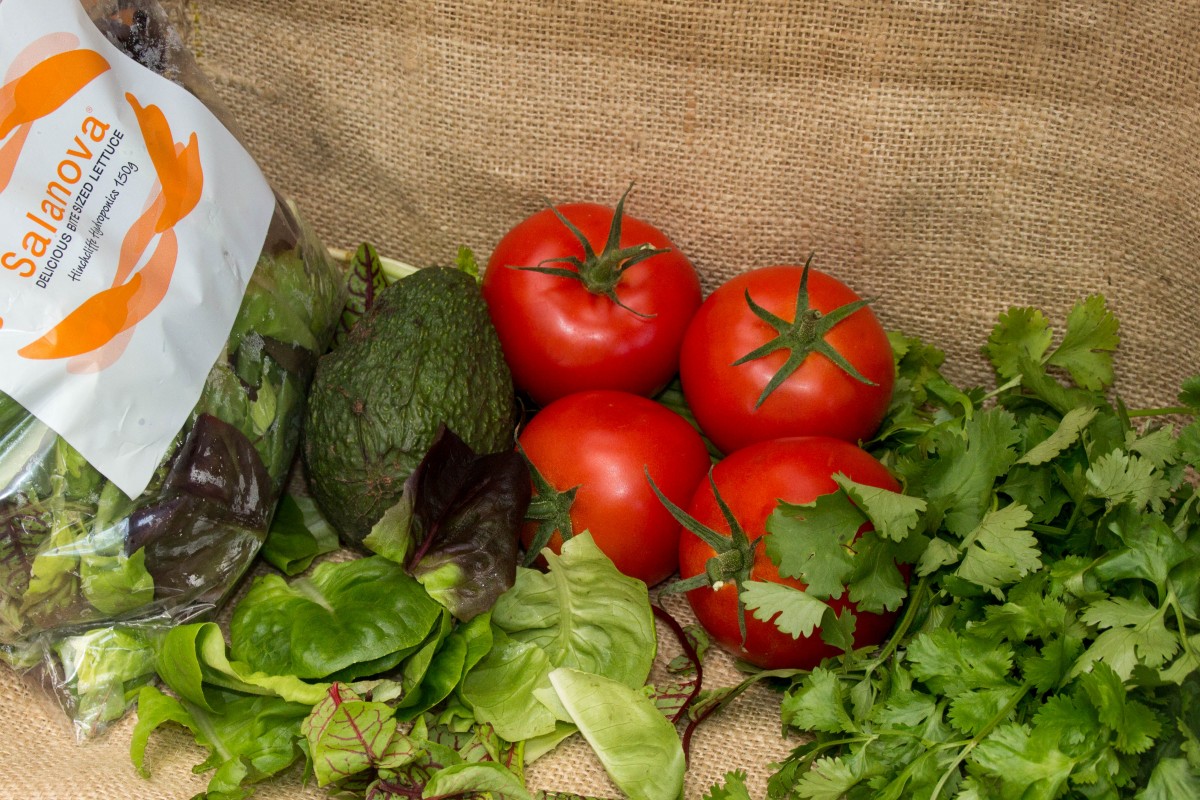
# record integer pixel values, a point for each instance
(802, 336)
(548, 507)
(734, 553)
(600, 273)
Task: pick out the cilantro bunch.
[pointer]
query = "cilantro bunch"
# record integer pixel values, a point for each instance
(1050, 643)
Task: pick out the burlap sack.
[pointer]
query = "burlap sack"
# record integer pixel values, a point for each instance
(949, 158)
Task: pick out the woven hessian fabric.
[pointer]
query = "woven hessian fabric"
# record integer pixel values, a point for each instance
(949, 159)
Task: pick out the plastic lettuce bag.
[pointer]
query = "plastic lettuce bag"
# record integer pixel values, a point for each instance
(89, 575)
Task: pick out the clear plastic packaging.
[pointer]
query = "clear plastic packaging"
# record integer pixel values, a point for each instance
(88, 575)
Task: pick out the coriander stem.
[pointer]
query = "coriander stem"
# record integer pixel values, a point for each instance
(910, 612)
(1000, 716)
(1161, 412)
(1011, 383)
(1181, 621)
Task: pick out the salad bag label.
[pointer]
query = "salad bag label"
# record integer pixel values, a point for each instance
(131, 221)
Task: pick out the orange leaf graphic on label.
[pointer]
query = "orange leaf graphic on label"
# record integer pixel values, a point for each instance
(10, 151)
(179, 171)
(140, 234)
(107, 313)
(46, 86)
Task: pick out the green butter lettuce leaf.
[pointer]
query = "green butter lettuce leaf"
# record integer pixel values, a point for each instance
(483, 778)
(193, 662)
(502, 689)
(584, 613)
(298, 534)
(639, 747)
(342, 614)
(249, 737)
(455, 655)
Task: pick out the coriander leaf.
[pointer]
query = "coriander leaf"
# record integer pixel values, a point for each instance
(1137, 634)
(733, 788)
(1019, 332)
(960, 481)
(1135, 725)
(837, 630)
(1189, 393)
(973, 711)
(1073, 423)
(1025, 766)
(876, 585)
(909, 710)
(1172, 779)
(1189, 444)
(1157, 445)
(1152, 549)
(1121, 478)
(893, 514)
(950, 663)
(1053, 663)
(829, 779)
(1000, 550)
(1086, 349)
(809, 541)
(939, 553)
(794, 611)
(1069, 720)
(818, 703)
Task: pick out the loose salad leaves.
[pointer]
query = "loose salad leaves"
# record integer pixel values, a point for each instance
(1050, 642)
(354, 670)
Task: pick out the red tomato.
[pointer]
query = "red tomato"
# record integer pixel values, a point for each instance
(819, 399)
(567, 332)
(752, 481)
(603, 442)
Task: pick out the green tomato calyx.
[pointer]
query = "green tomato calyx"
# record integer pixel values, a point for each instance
(734, 553)
(600, 273)
(802, 336)
(549, 508)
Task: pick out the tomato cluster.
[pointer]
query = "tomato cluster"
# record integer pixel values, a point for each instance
(785, 371)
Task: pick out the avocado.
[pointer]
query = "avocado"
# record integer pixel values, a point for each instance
(424, 355)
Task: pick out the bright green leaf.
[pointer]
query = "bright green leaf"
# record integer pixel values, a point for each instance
(1121, 478)
(1000, 550)
(809, 542)
(638, 746)
(1021, 332)
(1073, 423)
(894, 515)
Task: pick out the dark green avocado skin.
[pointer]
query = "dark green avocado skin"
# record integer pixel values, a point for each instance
(425, 354)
